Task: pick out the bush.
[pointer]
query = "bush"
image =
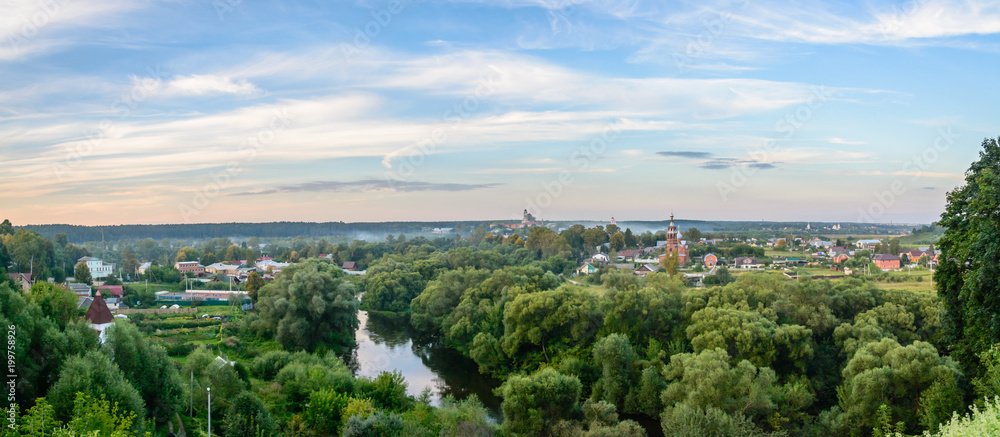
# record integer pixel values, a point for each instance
(387, 391)
(376, 425)
(267, 366)
(246, 417)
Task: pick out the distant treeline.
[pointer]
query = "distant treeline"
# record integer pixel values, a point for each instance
(378, 230)
(223, 230)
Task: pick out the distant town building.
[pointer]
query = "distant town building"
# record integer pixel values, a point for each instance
(674, 244)
(186, 267)
(111, 290)
(80, 290)
(711, 260)
(747, 263)
(98, 269)
(867, 244)
(886, 261)
(528, 220)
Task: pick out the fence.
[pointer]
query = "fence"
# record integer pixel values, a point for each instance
(157, 310)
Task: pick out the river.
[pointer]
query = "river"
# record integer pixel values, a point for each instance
(385, 345)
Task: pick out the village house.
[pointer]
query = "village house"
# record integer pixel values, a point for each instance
(747, 263)
(99, 316)
(586, 269)
(351, 266)
(629, 255)
(186, 267)
(80, 290)
(867, 244)
(111, 291)
(711, 260)
(646, 269)
(98, 269)
(22, 280)
(600, 258)
(143, 267)
(886, 261)
(222, 269)
(916, 254)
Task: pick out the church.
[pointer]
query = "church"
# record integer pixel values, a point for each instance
(674, 244)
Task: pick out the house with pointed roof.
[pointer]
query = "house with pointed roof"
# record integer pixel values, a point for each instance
(99, 316)
(23, 280)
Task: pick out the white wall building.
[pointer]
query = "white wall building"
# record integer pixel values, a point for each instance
(98, 269)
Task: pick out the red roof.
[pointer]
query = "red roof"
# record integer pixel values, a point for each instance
(115, 290)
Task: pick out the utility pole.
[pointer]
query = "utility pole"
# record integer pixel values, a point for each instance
(191, 411)
(209, 411)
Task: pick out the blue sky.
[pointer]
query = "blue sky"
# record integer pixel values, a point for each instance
(227, 110)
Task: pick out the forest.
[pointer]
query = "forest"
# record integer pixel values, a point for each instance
(759, 354)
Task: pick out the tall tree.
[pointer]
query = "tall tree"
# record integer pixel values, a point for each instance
(967, 278)
(253, 285)
(309, 304)
(82, 274)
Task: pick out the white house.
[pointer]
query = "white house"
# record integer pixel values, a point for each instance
(98, 269)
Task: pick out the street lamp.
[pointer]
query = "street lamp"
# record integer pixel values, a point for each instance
(209, 411)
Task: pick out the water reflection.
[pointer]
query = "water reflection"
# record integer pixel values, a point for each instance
(386, 345)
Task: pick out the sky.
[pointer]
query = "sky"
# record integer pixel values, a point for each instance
(177, 111)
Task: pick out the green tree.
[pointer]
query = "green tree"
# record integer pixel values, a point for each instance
(918, 386)
(146, 366)
(442, 295)
(390, 286)
(552, 320)
(96, 376)
(617, 241)
(708, 380)
(970, 261)
(615, 357)
(82, 274)
(186, 254)
(253, 285)
(693, 235)
(130, 264)
(323, 413)
(309, 304)
(533, 405)
(247, 417)
(671, 264)
(56, 302)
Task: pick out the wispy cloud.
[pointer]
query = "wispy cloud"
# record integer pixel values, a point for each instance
(686, 154)
(197, 85)
(368, 185)
(836, 140)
